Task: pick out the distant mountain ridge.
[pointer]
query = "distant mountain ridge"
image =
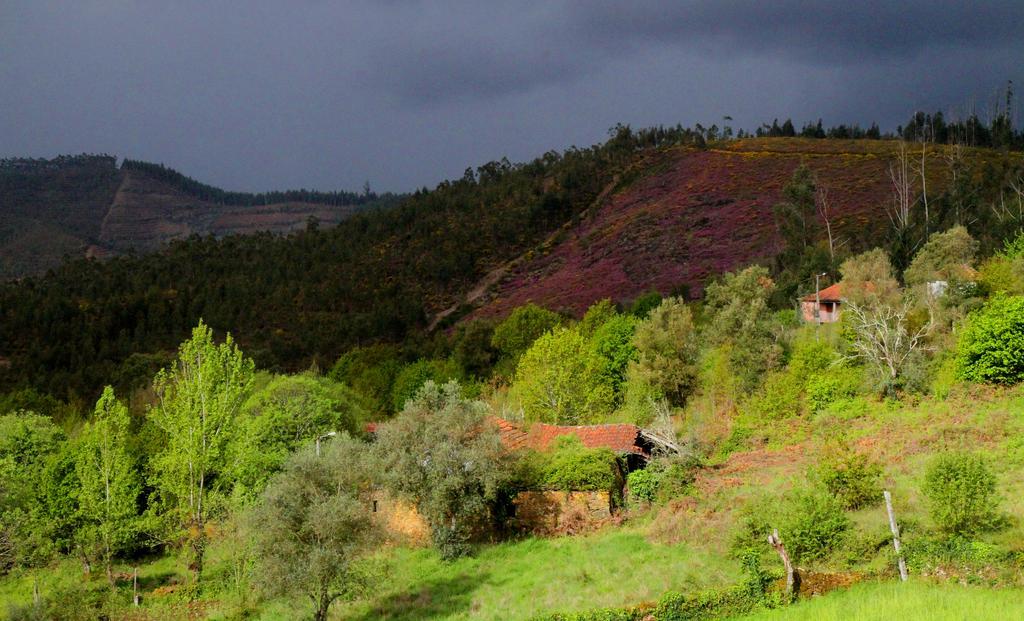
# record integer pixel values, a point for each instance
(87, 205)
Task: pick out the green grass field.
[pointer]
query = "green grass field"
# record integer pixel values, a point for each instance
(521, 579)
(894, 601)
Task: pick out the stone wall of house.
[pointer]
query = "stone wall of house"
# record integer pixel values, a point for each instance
(401, 520)
(551, 512)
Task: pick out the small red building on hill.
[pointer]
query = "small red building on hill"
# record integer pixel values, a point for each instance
(823, 306)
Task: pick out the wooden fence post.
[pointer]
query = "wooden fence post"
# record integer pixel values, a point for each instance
(895, 536)
(135, 587)
(792, 575)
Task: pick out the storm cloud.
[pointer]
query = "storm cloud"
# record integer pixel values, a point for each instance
(258, 95)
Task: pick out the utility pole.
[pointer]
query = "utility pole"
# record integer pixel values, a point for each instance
(329, 434)
(817, 303)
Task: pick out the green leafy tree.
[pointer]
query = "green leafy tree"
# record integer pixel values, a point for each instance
(109, 484)
(667, 351)
(596, 316)
(371, 372)
(868, 279)
(560, 379)
(796, 216)
(413, 376)
(612, 341)
(442, 454)
(28, 442)
(991, 347)
(513, 336)
(738, 321)
(314, 525)
(643, 305)
(947, 256)
(877, 318)
(198, 400)
(472, 348)
(283, 414)
(1004, 272)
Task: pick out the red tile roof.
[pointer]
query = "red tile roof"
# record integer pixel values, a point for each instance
(621, 438)
(511, 436)
(828, 294)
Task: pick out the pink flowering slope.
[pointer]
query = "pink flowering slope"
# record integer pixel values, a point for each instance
(692, 215)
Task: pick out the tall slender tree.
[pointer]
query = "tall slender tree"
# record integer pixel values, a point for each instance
(109, 484)
(198, 399)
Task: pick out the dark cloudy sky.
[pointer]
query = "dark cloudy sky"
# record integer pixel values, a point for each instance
(256, 95)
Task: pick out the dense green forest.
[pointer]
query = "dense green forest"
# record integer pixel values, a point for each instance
(305, 298)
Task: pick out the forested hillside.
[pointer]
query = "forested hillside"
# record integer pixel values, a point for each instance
(660, 209)
(87, 205)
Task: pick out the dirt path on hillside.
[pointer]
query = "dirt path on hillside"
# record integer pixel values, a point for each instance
(101, 236)
(494, 276)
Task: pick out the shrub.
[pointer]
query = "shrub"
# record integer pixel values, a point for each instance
(574, 467)
(961, 492)
(810, 356)
(674, 480)
(779, 397)
(851, 478)
(945, 377)
(814, 524)
(991, 347)
(441, 454)
(643, 485)
(925, 552)
(828, 386)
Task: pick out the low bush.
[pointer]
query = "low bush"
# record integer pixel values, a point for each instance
(675, 480)
(851, 478)
(779, 397)
(717, 604)
(923, 553)
(961, 492)
(991, 347)
(830, 385)
(813, 525)
(945, 377)
(643, 485)
(662, 480)
(570, 466)
(80, 603)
